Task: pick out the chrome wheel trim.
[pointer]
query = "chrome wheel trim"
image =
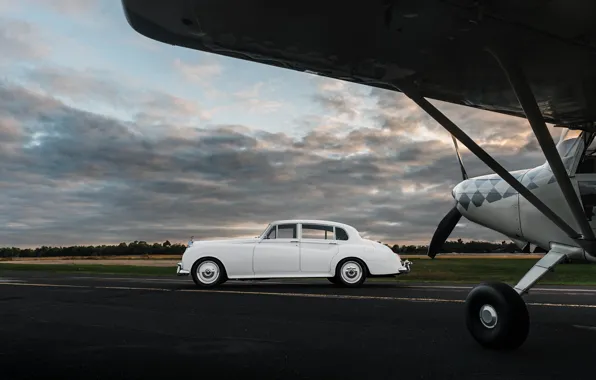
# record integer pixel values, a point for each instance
(208, 272)
(351, 272)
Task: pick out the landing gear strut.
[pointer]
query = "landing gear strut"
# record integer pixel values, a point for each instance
(496, 314)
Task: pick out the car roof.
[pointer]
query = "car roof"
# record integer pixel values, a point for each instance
(318, 221)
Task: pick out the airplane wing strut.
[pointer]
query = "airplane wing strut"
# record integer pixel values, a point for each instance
(526, 98)
(446, 123)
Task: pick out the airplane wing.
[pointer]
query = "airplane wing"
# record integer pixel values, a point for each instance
(437, 44)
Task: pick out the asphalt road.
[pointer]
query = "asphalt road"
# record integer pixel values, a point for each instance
(113, 327)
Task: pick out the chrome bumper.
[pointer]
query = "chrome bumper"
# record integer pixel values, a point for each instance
(180, 271)
(407, 267)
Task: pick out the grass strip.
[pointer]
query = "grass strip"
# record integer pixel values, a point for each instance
(466, 270)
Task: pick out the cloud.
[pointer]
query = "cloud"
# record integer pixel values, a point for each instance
(503, 136)
(21, 41)
(254, 100)
(343, 98)
(10, 129)
(71, 7)
(198, 72)
(337, 102)
(89, 84)
(73, 176)
(106, 89)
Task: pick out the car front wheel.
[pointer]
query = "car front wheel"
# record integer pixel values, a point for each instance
(351, 273)
(208, 273)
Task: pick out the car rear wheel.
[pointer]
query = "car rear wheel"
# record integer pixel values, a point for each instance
(208, 272)
(351, 273)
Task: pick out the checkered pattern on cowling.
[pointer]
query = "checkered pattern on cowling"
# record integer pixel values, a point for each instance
(478, 191)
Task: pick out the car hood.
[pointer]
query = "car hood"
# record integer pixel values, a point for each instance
(225, 241)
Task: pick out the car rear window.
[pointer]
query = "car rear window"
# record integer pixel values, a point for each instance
(340, 234)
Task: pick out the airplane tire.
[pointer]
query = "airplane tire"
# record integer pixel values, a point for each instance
(497, 316)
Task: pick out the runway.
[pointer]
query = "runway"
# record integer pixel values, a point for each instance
(116, 327)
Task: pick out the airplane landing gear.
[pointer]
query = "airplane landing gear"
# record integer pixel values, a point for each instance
(497, 316)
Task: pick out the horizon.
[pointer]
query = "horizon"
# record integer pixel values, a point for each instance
(172, 242)
(108, 136)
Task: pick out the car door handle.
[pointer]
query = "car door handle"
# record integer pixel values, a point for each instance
(293, 241)
(333, 242)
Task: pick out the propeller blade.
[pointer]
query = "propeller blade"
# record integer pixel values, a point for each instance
(461, 163)
(443, 231)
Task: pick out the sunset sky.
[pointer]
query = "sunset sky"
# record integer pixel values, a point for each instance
(107, 136)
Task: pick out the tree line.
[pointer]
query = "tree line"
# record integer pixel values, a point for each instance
(122, 249)
(177, 249)
(459, 246)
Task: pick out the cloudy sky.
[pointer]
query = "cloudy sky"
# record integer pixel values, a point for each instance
(107, 136)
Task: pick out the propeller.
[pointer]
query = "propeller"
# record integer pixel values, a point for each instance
(461, 163)
(450, 220)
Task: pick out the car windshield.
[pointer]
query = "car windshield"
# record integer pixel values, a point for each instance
(264, 231)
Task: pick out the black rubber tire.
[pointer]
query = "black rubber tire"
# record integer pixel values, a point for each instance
(222, 273)
(513, 321)
(339, 279)
(332, 280)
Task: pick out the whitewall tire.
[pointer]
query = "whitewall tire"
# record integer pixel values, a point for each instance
(351, 273)
(208, 272)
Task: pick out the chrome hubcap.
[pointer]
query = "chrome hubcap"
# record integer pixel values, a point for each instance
(488, 316)
(208, 272)
(351, 272)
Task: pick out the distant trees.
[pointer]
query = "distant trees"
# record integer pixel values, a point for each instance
(122, 249)
(167, 248)
(459, 246)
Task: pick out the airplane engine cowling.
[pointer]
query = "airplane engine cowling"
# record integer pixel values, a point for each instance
(490, 202)
(538, 229)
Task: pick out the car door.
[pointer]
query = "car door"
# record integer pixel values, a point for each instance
(318, 245)
(278, 253)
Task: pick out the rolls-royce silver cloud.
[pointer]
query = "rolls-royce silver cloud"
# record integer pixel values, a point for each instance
(292, 249)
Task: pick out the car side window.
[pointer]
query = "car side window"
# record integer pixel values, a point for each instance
(287, 231)
(341, 234)
(283, 231)
(314, 231)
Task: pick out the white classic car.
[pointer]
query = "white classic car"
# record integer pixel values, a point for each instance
(292, 249)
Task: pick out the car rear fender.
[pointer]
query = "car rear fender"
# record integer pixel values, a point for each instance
(359, 251)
